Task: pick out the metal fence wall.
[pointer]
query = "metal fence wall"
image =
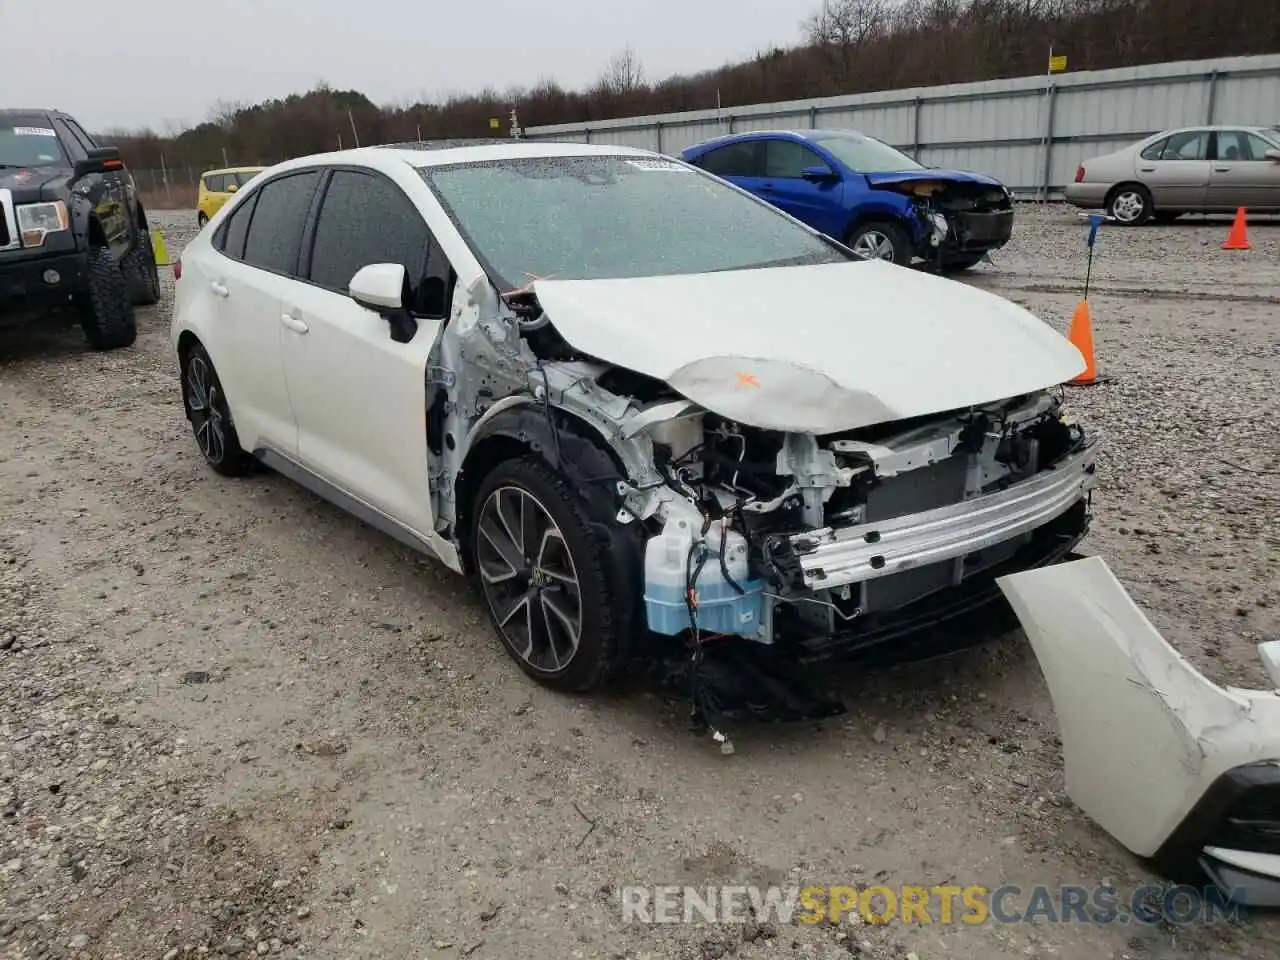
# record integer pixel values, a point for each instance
(1031, 132)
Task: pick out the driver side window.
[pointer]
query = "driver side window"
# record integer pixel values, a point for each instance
(788, 160)
(365, 218)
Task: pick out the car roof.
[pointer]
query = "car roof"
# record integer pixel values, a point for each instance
(805, 134)
(205, 173)
(441, 153)
(29, 111)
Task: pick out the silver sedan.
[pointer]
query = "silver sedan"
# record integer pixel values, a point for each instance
(1189, 170)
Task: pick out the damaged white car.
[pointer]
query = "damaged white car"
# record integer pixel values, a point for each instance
(632, 400)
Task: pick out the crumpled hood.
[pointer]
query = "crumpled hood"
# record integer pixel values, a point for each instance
(814, 349)
(915, 176)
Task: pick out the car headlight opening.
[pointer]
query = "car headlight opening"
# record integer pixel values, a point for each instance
(37, 220)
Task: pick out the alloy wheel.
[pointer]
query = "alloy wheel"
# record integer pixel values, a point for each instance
(873, 245)
(1128, 206)
(206, 405)
(529, 579)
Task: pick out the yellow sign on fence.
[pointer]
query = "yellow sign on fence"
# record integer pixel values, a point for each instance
(494, 123)
(1057, 64)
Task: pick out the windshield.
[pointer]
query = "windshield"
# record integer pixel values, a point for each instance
(866, 155)
(588, 218)
(29, 142)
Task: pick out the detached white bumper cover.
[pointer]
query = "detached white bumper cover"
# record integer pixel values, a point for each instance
(1172, 765)
(832, 558)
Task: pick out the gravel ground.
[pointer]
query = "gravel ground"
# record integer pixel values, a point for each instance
(235, 721)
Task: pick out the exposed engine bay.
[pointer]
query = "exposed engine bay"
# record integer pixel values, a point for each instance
(780, 537)
(957, 217)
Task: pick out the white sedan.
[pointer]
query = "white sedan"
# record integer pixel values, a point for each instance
(629, 398)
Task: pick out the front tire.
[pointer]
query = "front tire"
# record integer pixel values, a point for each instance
(210, 416)
(543, 574)
(1130, 204)
(109, 322)
(880, 240)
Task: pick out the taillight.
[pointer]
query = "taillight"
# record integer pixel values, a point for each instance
(177, 269)
(1079, 174)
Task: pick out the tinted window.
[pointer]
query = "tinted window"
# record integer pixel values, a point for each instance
(215, 182)
(1190, 145)
(244, 176)
(86, 141)
(578, 218)
(236, 229)
(1155, 151)
(366, 219)
(866, 154)
(787, 159)
(1239, 145)
(278, 218)
(73, 146)
(29, 141)
(735, 160)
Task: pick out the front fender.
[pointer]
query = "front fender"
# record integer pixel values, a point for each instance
(890, 206)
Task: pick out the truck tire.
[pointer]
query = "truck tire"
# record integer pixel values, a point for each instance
(109, 322)
(141, 272)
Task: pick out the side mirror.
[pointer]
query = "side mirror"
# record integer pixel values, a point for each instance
(1273, 155)
(99, 160)
(232, 187)
(381, 287)
(819, 174)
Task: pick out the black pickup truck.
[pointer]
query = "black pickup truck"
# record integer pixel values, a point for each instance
(74, 237)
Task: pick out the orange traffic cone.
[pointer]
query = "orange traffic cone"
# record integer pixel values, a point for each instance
(1238, 238)
(1081, 337)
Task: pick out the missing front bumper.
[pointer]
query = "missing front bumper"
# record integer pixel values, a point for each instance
(831, 558)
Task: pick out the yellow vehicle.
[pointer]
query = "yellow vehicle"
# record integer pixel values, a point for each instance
(217, 186)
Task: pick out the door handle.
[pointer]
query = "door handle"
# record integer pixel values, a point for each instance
(220, 288)
(296, 324)
(1221, 169)
(1148, 169)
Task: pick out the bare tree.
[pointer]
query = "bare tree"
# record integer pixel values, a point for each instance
(842, 28)
(624, 74)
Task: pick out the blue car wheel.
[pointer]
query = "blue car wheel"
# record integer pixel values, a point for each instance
(880, 240)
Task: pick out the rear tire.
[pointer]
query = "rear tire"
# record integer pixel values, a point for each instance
(109, 321)
(201, 220)
(1130, 204)
(543, 572)
(880, 240)
(210, 417)
(142, 273)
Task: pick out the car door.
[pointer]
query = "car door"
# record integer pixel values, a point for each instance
(1176, 170)
(815, 202)
(359, 395)
(257, 264)
(1243, 175)
(115, 209)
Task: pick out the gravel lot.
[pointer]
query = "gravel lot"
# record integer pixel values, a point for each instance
(234, 720)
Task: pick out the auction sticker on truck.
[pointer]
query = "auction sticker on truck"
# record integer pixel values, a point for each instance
(33, 132)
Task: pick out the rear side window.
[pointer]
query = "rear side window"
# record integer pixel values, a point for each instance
(236, 229)
(275, 233)
(1155, 151)
(366, 219)
(735, 160)
(215, 183)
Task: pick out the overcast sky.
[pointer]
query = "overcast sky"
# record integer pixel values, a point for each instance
(132, 63)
